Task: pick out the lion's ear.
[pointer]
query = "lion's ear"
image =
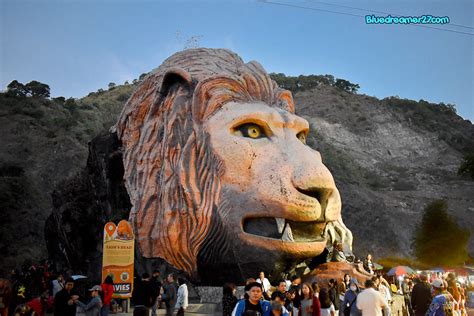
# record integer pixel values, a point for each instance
(173, 76)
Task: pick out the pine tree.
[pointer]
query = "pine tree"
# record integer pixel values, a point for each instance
(440, 241)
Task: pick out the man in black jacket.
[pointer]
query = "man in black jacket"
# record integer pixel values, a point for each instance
(156, 286)
(65, 301)
(143, 296)
(169, 294)
(421, 296)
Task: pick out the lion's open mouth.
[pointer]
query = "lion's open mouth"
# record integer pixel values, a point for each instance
(283, 229)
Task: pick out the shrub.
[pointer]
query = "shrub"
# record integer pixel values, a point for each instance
(440, 241)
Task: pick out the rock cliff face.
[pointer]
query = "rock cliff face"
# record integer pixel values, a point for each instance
(389, 159)
(82, 206)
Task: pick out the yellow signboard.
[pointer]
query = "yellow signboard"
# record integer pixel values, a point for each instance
(118, 257)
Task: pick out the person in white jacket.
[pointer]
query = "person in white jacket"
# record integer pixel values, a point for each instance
(265, 284)
(182, 300)
(371, 302)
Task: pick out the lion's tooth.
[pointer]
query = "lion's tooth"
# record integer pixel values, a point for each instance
(280, 224)
(287, 233)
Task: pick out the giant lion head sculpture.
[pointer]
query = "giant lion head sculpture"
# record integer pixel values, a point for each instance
(219, 173)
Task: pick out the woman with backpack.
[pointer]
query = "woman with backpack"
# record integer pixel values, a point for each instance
(349, 307)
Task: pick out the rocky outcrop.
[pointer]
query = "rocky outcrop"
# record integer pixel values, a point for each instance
(82, 206)
(336, 270)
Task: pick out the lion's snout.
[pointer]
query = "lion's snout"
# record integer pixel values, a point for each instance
(313, 181)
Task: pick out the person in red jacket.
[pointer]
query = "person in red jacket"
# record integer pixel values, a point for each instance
(107, 291)
(316, 302)
(40, 304)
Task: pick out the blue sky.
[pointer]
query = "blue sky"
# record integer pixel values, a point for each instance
(79, 46)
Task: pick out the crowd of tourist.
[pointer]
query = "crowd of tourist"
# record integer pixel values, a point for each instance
(37, 289)
(423, 294)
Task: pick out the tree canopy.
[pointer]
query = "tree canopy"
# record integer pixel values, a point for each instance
(33, 88)
(440, 241)
(303, 82)
(38, 89)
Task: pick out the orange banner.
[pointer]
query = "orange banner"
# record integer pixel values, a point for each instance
(118, 257)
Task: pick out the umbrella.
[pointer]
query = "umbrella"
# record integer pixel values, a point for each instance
(77, 277)
(400, 270)
(463, 271)
(377, 266)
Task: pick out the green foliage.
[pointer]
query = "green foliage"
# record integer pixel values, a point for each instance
(33, 88)
(440, 119)
(346, 85)
(111, 85)
(302, 83)
(99, 111)
(59, 100)
(440, 241)
(70, 103)
(38, 89)
(467, 166)
(423, 106)
(16, 89)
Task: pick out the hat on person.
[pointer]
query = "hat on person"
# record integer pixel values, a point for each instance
(96, 288)
(439, 284)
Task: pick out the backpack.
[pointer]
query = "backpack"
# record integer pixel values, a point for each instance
(347, 309)
(448, 306)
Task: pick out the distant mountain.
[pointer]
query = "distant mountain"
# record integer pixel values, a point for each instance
(389, 158)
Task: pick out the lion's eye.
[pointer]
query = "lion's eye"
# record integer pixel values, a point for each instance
(302, 137)
(251, 130)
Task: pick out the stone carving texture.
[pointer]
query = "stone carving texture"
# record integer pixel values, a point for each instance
(218, 172)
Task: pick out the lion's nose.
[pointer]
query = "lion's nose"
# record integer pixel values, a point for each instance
(320, 194)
